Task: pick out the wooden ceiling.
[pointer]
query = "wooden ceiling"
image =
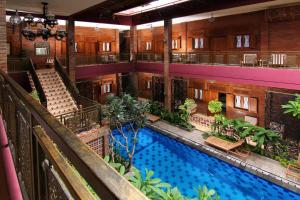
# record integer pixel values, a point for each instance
(105, 11)
(190, 8)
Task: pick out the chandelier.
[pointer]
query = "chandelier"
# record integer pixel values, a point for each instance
(44, 27)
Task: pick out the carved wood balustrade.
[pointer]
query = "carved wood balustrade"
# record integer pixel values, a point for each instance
(50, 160)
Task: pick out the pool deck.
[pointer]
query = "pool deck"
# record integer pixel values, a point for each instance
(256, 164)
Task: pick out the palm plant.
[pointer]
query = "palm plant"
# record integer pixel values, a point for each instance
(207, 194)
(148, 185)
(170, 194)
(293, 107)
(263, 136)
(117, 166)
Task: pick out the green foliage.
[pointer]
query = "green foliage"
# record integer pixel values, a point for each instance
(218, 123)
(293, 107)
(215, 106)
(147, 185)
(185, 112)
(242, 129)
(170, 194)
(117, 166)
(121, 110)
(155, 108)
(263, 136)
(180, 118)
(35, 95)
(285, 161)
(206, 194)
(126, 109)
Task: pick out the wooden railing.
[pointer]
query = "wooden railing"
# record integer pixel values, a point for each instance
(243, 58)
(43, 150)
(63, 74)
(97, 59)
(37, 83)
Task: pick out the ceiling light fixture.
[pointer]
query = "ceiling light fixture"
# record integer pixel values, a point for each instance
(47, 30)
(15, 19)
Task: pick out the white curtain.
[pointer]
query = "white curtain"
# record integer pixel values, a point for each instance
(238, 41)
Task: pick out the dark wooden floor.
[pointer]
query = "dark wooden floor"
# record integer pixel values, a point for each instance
(3, 186)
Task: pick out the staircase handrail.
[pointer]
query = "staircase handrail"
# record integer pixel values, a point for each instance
(37, 83)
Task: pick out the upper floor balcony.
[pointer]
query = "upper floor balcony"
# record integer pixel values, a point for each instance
(269, 59)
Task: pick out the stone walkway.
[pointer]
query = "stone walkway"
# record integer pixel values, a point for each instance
(269, 166)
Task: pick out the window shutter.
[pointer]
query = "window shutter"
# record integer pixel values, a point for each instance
(190, 93)
(253, 105)
(252, 41)
(193, 43)
(230, 100)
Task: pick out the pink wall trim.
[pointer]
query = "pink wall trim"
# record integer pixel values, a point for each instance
(11, 176)
(268, 77)
(92, 71)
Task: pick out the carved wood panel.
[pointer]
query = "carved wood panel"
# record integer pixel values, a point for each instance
(274, 101)
(25, 162)
(56, 190)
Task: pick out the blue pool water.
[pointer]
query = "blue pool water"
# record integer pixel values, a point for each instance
(188, 168)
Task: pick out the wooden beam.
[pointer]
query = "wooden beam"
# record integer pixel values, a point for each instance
(167, 60)
(70, 49)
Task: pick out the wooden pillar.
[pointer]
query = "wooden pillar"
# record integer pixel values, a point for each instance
(167, 59)
(70, 49)
(3, 50)
(264, 34)
(133, 43)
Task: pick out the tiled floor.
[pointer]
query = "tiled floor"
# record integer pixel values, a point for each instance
(256, 160)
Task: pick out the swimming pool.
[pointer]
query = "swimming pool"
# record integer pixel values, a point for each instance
(188, 168)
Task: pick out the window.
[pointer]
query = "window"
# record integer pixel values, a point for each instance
(148, 46)
(75, 47)
(197, 43)
(8, 48)
(107, 88)
(174, 44)
(148, 84)
(106, 46)
(242, 102)
(242, 41)
(198, 94)
(42, 48)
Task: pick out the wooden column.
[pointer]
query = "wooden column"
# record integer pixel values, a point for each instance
(70, 49)
(167, 59)
(3, 51)
(264, 34)
(133, 43)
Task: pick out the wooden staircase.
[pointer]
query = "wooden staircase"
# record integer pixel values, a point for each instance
(31, 81)
(59, 100)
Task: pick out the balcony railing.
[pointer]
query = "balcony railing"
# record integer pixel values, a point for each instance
(290, 59)
(51, 160)
(97, 59)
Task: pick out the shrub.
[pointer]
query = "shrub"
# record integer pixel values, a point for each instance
(293, 107)
(215, 106)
